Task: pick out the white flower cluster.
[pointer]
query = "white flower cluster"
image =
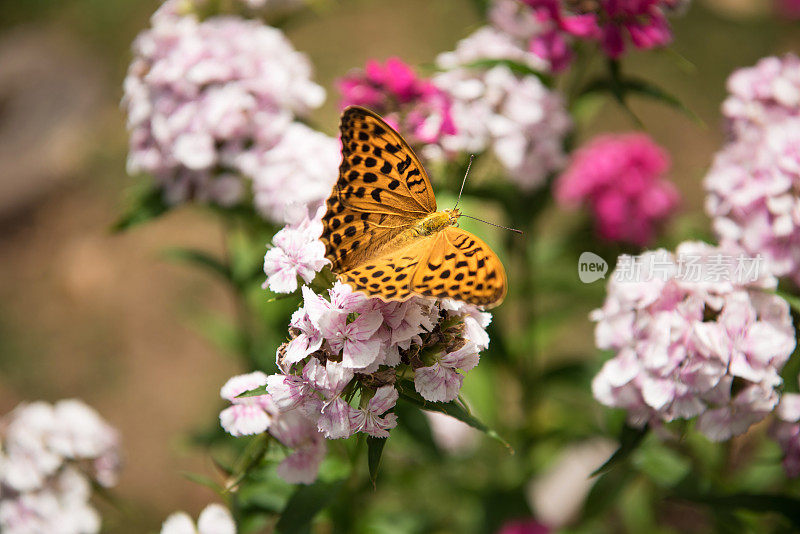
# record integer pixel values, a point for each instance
(521, 120)
(210, 101)
(711, 349)
(346, 354)
(754, 184)
(47, 453)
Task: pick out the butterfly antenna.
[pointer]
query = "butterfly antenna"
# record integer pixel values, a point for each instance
(471, 157)
(491, 224)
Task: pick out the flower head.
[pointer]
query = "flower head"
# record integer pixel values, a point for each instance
(202, 95)
(246, 415)
(371, 419)
(693, 335)
(613, 24)
(517, 117)
(296, 251)
(754, 182)
(214, 519)
(42, 488)
(410, 103)
(620, 177)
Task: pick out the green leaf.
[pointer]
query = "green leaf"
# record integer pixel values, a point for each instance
(514, 66)
(255, 392)
(789, 507)
(202, 259)
(629, 440)
(605, 492)
(794, 302)
(662, 465)
(146, 206)
(374, 454)
(204, 481)
(304, 504)
(654, 92)
(453, 409)
(622, 87)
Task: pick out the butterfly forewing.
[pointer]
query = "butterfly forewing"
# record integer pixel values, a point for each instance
(382, 190)
(461, 266)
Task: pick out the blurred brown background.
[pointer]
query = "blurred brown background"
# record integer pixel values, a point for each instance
(103, 317)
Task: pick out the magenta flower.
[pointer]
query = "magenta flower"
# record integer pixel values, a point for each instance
(408, 102)
(788, 8)
(610, 23)
(620, 178)
(524, 526)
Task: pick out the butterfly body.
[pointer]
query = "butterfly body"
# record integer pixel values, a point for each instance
(437, 221)
(382, 232)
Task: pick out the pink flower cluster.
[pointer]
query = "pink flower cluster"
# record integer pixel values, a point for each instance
(522, 121)
(47, 454)
(339, 371)
(208, 102)
(711, 349)
(611, 23)
(753, 185)
(620, 177)
(411, 104)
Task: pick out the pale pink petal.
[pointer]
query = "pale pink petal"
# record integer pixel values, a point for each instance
(244, 420)
(437, 383)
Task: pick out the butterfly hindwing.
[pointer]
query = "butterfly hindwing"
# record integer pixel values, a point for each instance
(389, 277)
(459, 265)
(382, 190)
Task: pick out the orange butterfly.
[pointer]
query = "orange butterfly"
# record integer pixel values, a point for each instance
(382, 233)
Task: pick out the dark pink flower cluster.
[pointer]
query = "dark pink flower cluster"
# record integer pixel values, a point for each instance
(620, 177)
(611, 23)
(410, 103)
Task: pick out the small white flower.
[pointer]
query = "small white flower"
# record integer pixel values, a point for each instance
(214, 519)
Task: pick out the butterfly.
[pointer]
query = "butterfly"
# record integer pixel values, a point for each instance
(382, 232)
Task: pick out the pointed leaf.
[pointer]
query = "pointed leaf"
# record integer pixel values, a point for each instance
(305, 504)
(255, 392)
(629, 440)
(514, 66)
(453, 409)
(374, 454)
(147, 206)
(652, 91)
(605, 492)
(201, 259)
(794, 301)
(204, 481)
